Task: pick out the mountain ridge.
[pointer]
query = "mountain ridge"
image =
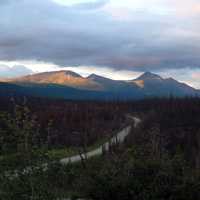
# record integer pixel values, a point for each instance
(66, 83)
(62, 77)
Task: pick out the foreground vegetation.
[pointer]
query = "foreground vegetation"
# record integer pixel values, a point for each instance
(158, 161)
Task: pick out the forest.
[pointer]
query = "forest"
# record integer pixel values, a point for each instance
(159, 160)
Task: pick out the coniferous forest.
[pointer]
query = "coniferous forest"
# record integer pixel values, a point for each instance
(99, 100)
(159, 159)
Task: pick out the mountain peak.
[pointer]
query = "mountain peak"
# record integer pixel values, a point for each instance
(60, 73)
(149, 76)
(93, 76)
(97, 77)
(71, 73)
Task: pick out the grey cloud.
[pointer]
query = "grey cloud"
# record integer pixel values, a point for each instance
(46, 31)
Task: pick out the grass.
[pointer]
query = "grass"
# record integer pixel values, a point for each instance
(56, 154)
(59, 153)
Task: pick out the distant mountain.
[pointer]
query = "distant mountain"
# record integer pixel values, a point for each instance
(154, 85)
(66, 78)
(70, 85)
(149, 76)
(114, 85)
(11, 72)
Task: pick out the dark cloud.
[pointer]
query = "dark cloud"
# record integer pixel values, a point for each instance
(86, 35)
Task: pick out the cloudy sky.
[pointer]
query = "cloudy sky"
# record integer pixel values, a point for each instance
(116, 38)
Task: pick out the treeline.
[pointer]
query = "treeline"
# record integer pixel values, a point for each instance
(77, 123)
(70, 123)
(171, 125)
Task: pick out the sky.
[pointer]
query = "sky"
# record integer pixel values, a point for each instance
(119, 39)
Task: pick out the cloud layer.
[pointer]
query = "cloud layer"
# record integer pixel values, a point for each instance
(134, 35)
(15, 71)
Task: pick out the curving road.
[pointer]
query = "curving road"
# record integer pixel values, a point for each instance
(118, 138)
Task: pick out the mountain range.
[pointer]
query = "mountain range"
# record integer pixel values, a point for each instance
(70, 85)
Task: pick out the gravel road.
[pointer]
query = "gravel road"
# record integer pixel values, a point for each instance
(118, 138)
